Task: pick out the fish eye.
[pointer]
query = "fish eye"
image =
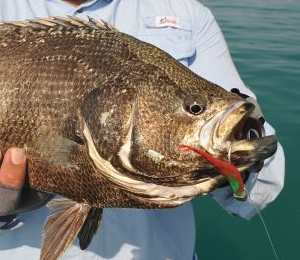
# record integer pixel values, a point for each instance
(196, 109)
(194, 105)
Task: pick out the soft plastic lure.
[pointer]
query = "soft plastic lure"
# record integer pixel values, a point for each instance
(228, 170)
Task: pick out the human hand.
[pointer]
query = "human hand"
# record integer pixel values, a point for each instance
(12, 177)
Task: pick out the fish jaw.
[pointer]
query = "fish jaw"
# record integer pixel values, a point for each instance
(245, 153)
(238, 137)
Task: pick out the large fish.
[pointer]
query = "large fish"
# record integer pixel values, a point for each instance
(102, 116)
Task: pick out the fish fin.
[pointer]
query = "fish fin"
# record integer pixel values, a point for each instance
(56, 151)
(59, 166)
(67, 22)
(62, 227)
(102, 24)
(90, 227)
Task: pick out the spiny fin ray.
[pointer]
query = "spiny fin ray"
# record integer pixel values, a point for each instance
(67, 22)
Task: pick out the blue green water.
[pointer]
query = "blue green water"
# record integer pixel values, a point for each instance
(264, 40)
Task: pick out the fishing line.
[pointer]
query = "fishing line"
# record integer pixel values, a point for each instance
(264, 225)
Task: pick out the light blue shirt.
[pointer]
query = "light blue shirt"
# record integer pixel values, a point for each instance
(195, 40)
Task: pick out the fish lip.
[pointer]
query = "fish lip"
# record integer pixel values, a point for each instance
(233, 121)
(246, 153)
(220, 128)
(238, 136)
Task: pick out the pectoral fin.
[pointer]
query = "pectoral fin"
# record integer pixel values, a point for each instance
(62, 227)
(89, 228)
(56, 151)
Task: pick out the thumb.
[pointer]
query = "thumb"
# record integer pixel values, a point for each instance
(13, 168)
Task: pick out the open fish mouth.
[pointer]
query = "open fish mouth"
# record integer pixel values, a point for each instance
(238, 136)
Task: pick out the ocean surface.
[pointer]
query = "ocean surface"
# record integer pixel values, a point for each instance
(264, 40)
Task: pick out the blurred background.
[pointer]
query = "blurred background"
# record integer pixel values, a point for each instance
(264, 40)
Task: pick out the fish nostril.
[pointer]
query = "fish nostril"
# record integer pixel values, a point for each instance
(249, 106)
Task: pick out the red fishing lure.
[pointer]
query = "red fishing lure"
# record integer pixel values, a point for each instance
(228, 170)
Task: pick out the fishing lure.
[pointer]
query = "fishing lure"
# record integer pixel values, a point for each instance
(231, 173)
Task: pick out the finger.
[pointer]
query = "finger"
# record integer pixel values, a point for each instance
(13, 168)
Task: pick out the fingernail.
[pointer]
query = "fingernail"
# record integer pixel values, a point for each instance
(17, 155)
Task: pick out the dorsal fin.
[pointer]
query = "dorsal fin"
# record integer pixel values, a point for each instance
(76, 21)
(67, 22)
(102, 24)
(42, 22)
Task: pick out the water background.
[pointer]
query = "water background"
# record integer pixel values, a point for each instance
(264, 40)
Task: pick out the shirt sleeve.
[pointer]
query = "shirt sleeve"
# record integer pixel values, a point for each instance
(212, 61)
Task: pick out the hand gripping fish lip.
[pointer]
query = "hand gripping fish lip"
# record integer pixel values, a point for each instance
(238, 136)
(134, 103)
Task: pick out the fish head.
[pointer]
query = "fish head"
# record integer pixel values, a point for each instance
(208, 118)
(138, 127)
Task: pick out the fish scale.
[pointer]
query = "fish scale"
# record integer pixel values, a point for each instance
(102, 116)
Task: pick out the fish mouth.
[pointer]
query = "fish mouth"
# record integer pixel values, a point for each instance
(238, 136)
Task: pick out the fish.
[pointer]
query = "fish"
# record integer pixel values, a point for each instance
(103, 117)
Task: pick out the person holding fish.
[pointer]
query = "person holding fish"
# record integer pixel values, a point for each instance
(165, 134)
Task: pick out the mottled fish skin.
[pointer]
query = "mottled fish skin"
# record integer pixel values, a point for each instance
(102, 116)
(47, 73)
